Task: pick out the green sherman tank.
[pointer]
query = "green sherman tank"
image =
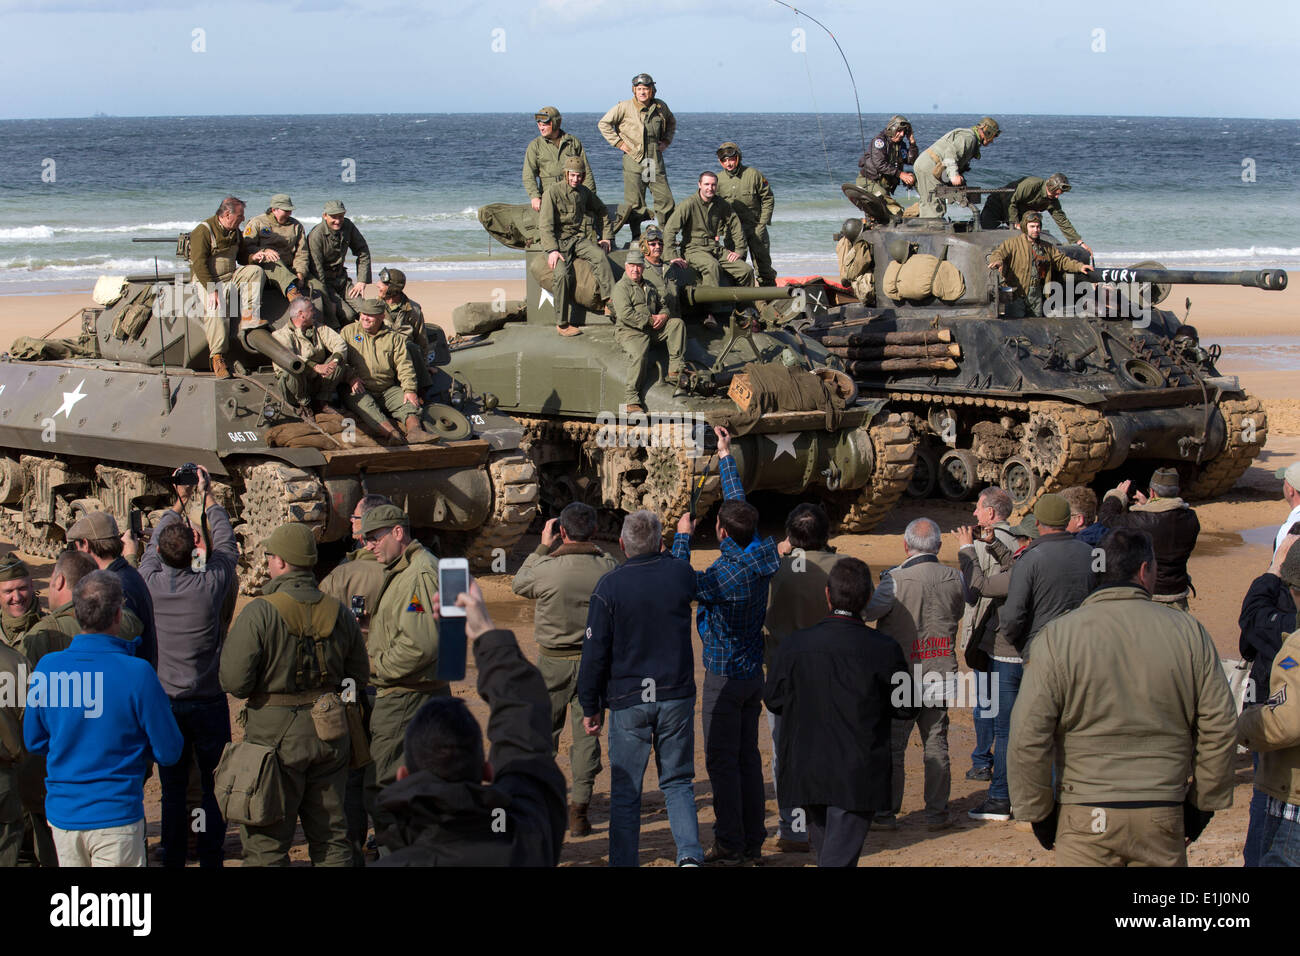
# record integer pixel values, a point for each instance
(1105, 382)
(103, 428)
(567, 393)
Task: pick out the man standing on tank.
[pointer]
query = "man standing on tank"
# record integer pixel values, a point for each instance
(642, 127)
(746, 190)
(1031, 265)
(946, 160)
(545, 156)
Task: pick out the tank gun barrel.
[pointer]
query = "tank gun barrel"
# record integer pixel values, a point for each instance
(1273, 280)
(741, 295)
(261, 342)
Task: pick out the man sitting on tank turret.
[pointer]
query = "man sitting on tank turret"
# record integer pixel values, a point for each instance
(1031, 264)
(881, 166)
(220, 263)
(643, 320)
(383, 377)
(1031, 195)
(563, 222)
(703, 220)
(325, 354)
(280, 246)
(404, 315)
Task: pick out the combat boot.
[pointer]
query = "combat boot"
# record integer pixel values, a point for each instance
(219, 366)
(568, 330)
(579, 825)
(415, 435)
(391, 435)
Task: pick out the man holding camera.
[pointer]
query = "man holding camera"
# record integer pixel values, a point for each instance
(190, 584)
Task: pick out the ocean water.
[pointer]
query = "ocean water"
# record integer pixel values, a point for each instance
(73, 193)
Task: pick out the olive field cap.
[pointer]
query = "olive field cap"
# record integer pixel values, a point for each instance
(382, 517)
(94, 526)
(370, 307)
(1290, 474)
(1290, 570)
(574, 165)
(335, 207)
(1028, 528)
(282, 201)
(395, 279)
(636, 258)
(643, 79)
(1052, 511)
(1058, 181)
(13, 568)
(990, 126)
(294, 543)
(1031, 216)
(728, 149)
(548, 114)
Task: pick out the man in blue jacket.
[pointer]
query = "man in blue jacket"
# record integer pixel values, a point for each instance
(638, 662)
(732, 595)
(100, 716)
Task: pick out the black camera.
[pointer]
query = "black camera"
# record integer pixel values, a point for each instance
(186, 474)
(358, 606)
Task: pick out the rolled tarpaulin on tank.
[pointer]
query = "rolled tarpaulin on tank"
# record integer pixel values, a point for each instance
(869, 339)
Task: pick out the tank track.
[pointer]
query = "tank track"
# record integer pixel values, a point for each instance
(273, 493)
(1242, 417)
(514, 504)
(893, 442)
(38, 547)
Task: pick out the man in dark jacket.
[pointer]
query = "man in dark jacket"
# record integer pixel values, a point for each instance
(451, 807)
(881, 166)
(96, 534)
(638, 662)
(1169, 520)
(834, 686)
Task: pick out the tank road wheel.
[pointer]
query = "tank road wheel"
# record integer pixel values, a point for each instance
(514, 503)
(671, 477)
(925, 475)
(273, 494)
(1020, 482)
(893, 443)
(1247, 425)
(1064, 445)
(36, 544)
(958, 476)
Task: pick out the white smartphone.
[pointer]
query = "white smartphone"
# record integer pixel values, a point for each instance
(453, 581)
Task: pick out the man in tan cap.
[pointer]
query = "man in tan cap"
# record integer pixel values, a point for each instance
(328, 245)
(292, 653)
(382, 377)
(220, 264)
(96, 534)
(1172, 524)
(403, 314)
(545, 156)
(19, 607)
(279, 245)
(643, 321)
(403, 642)
(947, 159)
(324, 353)
(746, 190)
(567, 209)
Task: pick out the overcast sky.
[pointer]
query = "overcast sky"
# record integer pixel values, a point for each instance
(149, 58)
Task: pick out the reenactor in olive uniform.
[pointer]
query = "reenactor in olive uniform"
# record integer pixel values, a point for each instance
(643, 320)
(1030, 265)
(14, 671)
(287, 650)
(403, 642)
(560, 576)
(704, 221)
(664, 276)
(220, 263)
(383, 377)
(545, 156)
(563, 222)
(946, 160)
(1031, 195)
(746, 190)
(325, 354)
(328, 245)
(881, 166)
(403, 314)
(19, 607)
(284, 242)
(642, 127)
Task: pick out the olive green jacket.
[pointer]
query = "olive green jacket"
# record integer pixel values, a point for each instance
(1273, 728)
(561, 582)
(544, 163)
(749, 195)
(214, 252)
(316, 345)
(796, 597)
(403, 631)
(327, 252)
(407, 318)
(634, 302)
(361, 573)
(14, 628)
(701, 224)
(1133, 694)
(261, 656)
(1030, 196)
(627, 122)
(563, 218)
(953, 151)
(55, 631)
(289, 241)
(1018, 262)
(14, 668)
(668, 279)
(380, 360)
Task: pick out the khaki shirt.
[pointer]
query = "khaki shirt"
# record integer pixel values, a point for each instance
(315, 345)
(749, 195)
(380, 361)
(561, 582)
(289, 241)
(1019, 268)
(55, 631)
(215, 252)
(641, 128)
(403, 638)
(634, 302)
(668, 280)
(544, 163)
(328, 251)
(796, 597)
(407, 318)
(953, 151)
(562, 220)
(704, 226)
(1273, 728)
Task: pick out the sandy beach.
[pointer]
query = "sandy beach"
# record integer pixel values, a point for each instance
(1258, 333)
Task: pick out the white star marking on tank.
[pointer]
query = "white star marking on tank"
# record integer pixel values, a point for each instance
(70, 399)
(784, 444)
(544, 298)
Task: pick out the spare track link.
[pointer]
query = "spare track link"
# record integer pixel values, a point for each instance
(514, 503)
(273, 494)
(1243, 418)
(894, 444)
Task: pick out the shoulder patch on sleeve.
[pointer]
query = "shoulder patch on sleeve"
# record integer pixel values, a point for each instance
(1287, 663)
(878, 143)
(415, 606)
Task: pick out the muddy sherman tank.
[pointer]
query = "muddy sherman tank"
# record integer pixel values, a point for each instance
(568, 395)
(1107, 382)
(103, 429)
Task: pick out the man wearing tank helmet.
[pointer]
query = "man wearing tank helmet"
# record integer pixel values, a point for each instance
(1031, 264)
(642, 128)
(1031, 195)
(882, 164)
(946, 161)
(751, 199)
(545, 156)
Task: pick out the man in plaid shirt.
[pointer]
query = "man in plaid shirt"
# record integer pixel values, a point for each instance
(732, 596)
